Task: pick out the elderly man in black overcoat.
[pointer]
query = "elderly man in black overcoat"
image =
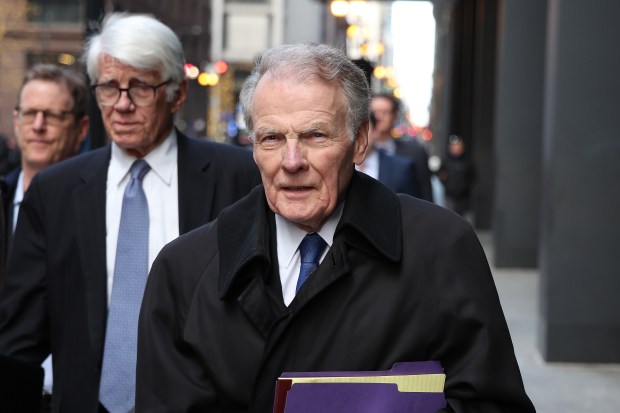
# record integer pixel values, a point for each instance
(398, 279)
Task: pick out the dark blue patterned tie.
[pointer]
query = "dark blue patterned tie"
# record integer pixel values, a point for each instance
(118, 376)
(310, 249)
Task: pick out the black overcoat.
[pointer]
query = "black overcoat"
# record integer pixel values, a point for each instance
(404, 280)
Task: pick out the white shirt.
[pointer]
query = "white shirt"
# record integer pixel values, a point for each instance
(161, 187)
(289, 236)
(18, 197)
(389, 146)
(371, 165)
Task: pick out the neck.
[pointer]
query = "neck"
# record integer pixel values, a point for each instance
(384, 137)
(28, 173)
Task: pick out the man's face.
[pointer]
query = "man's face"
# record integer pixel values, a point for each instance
(45, 140)
(302, 148)
(137, 129)
(456, 149)
(382, 108)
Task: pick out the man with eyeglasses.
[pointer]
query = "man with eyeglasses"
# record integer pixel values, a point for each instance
(90, 227)
(50, 124)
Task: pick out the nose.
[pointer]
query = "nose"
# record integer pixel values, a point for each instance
(293, 158)
(39, 121)
(124, 101)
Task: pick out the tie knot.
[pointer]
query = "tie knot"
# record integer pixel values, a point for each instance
(311, 248)
(139, 169)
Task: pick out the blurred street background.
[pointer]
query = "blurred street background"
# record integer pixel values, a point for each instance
(552, 386)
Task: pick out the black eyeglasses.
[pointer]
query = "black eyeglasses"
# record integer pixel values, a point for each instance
(140, 94)
(51, 117)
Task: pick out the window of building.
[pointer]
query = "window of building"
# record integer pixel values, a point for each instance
(56, 11)
(68, 60)
(248, 1)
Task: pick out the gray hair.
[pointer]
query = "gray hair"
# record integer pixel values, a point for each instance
(73, 81)
(140, 41)
(311, 61)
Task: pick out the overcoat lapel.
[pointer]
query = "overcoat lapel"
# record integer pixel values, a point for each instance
(243, 239)
(245, 260)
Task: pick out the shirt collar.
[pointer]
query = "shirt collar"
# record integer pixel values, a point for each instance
(389, 146)
(289, 235)
(162, 160)
(19, 190)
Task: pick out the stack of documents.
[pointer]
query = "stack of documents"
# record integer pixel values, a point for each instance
(415, 387)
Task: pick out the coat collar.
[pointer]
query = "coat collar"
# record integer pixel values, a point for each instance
(371, 221)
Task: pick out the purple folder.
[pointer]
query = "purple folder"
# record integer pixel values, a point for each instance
(347, 397)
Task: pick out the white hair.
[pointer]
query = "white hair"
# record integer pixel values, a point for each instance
(140, 41)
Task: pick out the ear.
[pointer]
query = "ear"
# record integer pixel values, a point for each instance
(180, 96)
(360, 145)
(16, 124)
(83, 126)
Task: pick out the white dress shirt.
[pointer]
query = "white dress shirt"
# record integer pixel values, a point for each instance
(389, 146)
(289, 236)
(161, 187)
(371, 165)
(18, 197)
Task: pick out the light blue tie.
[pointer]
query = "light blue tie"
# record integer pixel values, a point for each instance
(311, 248)
(118, 375)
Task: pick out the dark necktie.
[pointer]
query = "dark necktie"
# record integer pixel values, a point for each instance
(118, 376)
(311, 248)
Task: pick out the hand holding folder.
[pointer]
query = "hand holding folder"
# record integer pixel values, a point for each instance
(407, 387)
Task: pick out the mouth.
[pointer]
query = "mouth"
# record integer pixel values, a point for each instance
(124, 126)
(38, 142)
(297, 188)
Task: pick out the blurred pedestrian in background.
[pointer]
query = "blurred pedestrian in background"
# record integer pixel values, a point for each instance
(397, 172)
(50, 123)
(9, 154)
(457, 175)
(385, 108)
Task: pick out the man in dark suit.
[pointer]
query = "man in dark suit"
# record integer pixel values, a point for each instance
(50, 124)
(396, 279)
(397, 172)
(66, 254)
(385, 108)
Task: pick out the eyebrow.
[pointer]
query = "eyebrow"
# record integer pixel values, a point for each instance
(312, 128)
(133, 79)
(266, 131)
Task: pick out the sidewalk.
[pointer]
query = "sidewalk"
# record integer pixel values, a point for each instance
(552, 387)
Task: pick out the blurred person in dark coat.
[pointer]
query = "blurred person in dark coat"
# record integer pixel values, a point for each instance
(385, 108)
(457, 175)
(398, 279)
(392, 170)
(50, 124)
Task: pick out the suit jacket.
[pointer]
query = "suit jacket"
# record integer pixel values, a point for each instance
(404, 280)
(55, 290)
(412, 149)
(399, 173)
(8, 185)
